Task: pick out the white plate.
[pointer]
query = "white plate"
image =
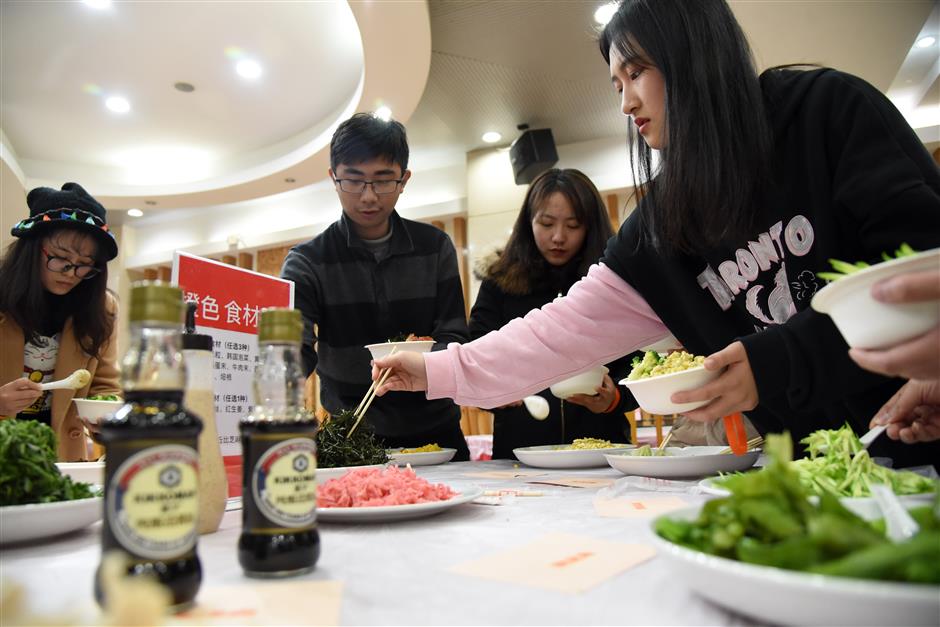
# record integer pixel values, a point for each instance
(551, 456)
(325, 474)
(691, 461)
(422, 459)
(789, 597)
(83, 472)
(389, 513)
(19, 523)
(864, 506)
(382, 349)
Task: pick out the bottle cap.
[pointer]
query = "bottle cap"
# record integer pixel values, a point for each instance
(191, 339)
(155, 301)
(280, 325)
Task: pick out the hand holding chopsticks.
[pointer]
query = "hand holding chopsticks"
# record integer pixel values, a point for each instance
(370, 396)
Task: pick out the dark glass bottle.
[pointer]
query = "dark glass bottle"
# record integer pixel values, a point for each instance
(151, 493)
(279, 509)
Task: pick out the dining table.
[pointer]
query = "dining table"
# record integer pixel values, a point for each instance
(401, 572)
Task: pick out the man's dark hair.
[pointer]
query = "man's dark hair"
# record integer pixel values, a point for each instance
(364, 137)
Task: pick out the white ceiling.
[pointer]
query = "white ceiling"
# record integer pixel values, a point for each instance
(487, 65)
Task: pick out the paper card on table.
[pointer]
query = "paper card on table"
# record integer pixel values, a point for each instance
(268, 603)
(562, 562)
(576, 482)
(504, 474)
(639, 507)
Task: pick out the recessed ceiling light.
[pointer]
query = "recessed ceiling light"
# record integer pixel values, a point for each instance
(926, 42)
(491, 137)
(184, 87)
(383, 113)
(117, 104)
(248, 68)
(290, 180)
(604, 12)
(135, 213)
(150, 202)
(97, 4)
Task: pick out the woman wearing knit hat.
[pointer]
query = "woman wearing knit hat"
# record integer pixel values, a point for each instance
(56, 314)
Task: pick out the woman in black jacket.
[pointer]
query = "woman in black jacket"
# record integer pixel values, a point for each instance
(561, 230)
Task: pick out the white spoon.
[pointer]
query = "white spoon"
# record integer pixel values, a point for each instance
(537, 406)
(75, 381)
(899, 526)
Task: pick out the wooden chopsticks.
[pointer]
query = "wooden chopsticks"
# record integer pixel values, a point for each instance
(751, 444)
(665, 441)
(370, 395)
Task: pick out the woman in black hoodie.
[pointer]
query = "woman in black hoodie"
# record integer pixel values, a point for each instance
(561, 230)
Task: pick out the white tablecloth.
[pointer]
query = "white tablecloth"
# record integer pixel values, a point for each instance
(397, 573)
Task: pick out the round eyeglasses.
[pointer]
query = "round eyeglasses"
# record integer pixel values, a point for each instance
(357, 186)
(63, 266)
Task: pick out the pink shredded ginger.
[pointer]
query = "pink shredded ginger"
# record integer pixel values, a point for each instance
(375, 487)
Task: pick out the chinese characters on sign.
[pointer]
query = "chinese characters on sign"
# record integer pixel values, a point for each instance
(228, 300)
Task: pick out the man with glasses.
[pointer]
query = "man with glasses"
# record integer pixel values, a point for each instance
(371, 276)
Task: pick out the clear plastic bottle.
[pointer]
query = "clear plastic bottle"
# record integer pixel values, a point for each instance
(279, 510)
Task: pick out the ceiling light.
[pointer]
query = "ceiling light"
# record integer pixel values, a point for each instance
(150, 202)
(184, 87)
(604, 12)
(135, 213)
(290, 179)
(926, 42)
(97, 4)
(117, 104)
(491, 137)
(248, 68)
(383, 113)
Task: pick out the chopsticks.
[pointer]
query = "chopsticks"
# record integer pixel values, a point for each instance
(751, 444)
(370, 395)
(665, 441)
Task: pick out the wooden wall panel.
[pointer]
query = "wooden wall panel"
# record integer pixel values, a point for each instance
(270, 260)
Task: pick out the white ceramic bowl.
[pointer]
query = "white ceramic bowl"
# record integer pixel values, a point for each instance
(83, 472)
(867, 323)
(94, 411)
(382, 349)
(773, 595)
(585, 383)
(653, 393)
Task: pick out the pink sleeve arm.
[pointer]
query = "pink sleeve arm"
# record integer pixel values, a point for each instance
(602, 318)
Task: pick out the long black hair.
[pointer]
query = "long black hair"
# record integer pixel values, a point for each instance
(716, 161)
(520, 266)
(24, 299)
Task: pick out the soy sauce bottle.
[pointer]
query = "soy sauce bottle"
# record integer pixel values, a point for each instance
(279, 508)
(151, 492)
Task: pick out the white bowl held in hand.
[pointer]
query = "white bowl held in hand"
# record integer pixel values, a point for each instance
(94, 411)
(382, 349)
(653, 393)
(585, 383)
(867, 323)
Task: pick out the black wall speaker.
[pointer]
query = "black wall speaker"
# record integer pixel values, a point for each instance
(531, 154)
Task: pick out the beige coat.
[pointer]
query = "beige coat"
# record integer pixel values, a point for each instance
(105, 379)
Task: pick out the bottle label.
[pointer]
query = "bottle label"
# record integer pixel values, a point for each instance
(153, 502)
(284, 485)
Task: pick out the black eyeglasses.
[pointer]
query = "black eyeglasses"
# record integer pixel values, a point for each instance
(63, 265)
(357, 186)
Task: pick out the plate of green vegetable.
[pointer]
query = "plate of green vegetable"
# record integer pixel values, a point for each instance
(866, 322)
(675, 462)
(769, 553)
(840, 465)
(36, 500)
